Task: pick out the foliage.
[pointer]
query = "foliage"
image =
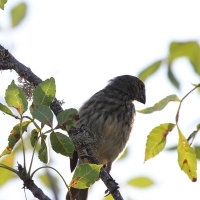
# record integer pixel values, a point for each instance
(17, 13)
(190, 50)
(140, 182)
(41, 116)
(157, 138)
(85, 175)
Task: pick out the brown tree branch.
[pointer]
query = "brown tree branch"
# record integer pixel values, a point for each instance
(8, 62)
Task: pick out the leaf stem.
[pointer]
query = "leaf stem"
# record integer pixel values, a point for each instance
(178, 111)
(190, 92)
(9, 168)
(49, 131)
(32, 121)
(29, 170)
(23, 147)
(54, 170)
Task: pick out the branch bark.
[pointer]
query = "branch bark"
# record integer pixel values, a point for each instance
(29, 184)
(8, 62)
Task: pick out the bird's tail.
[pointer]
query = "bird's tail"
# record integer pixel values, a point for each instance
(78, 194)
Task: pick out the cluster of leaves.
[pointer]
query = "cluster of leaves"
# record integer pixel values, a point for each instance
(42, 98)
(42, 116)
(17, 13)
(156, 140)
(190, 50)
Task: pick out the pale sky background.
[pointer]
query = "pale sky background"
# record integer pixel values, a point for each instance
(83, 44)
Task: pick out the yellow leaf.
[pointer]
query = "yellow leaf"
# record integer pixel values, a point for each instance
(187, 157)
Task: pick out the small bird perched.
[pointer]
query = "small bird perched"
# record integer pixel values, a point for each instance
(110, 113)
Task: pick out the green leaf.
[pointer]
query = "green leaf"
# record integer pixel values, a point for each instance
(141, 182)
(16, 98)
(143, 75)
(14, 137)
(15, 133)
(68, 114)
(43, 153)
(172, 78)
(45, 92)
(160, 105)
(180, 49)
(2, 3)
(156, 140)
(190, 50)
(6, 175)
(195, 59)
(34, 137)
(69, 117)
(197, 151)
(85, 175)
(61, 144)
(187, 157)
(42, 114)
(18, 13)
(6, 110)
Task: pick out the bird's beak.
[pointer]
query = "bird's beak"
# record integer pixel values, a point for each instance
(142, 98)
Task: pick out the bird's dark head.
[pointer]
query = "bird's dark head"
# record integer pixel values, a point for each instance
(131, 86)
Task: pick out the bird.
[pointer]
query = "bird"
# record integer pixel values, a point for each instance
(109, 113)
